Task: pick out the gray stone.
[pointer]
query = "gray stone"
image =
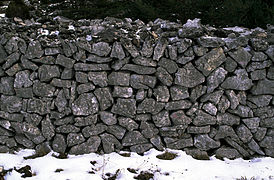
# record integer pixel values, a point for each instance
(11, 116)
(177, 105)
(94, 130)
(269, 152)
(138, 69)
(224, 131)
(161, 119)
(267, 142)
(244, 133)
(61, 83)
(34, 119)
(183, 45)
(230, 64)
(199, 50)
(52, 51)
(179, 118)
(108, 118)
(210, 108)
(110, 143)
(117, 51)
(101, 48)
(13, 70)
(85, 45)
(97, 59)
(227, 119)
(67, 74)
(172, 52)
(3, 54)
(98, 78)
(148, 129)
(142, 81)
(198, 130)
(157, 142)
(43, 89)
(49, 60)
(86, 121)
(193, 28)
(21, 139)
(117, 131)
(255, 147)
(211, 42)
(141, 148)
(210, 61)
(241, 56)
(180, 143)
(148, 47)
(122, 92)
(204, 142)
(5, 124)
(159, 49)
(259, 44)
(188, 76)
(133, 138)
(223, 104)
(258, 56)
(197, 92)
(184, 60)
(170, 65)
(258, 65)
(90, 146)
(66, 129)
(48, 129)
(81, 77)
(149, 105)
(75, 139)
(24, 92)
(65, 61)
(161, 93)
(64, 121)
(258, 74)
(125, 107)
(143, 61)
(203, 119)
(226, 152)
(141, 95)
(86, 104)
(104, 98)
(119, 63)
(267, 122)
(260, 134)
(263, 87)
(243, 111)
(270, 73)
(11, 104)
(61, 101)
(47, 72)
(164, 76)
(5, 132)
(178, 92)
(233, 98)
(197, 153)
(127, 44)
(91, 67)
(239, 82)
(119, 79)
(215, 79)
(270, 52)
(34, 50)
(260, 101)
(128, 123)
(11, 60)
(22, 79)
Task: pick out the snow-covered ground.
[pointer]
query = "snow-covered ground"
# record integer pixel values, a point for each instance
(94, 166)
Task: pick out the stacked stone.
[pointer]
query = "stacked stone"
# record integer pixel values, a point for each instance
(132, 86)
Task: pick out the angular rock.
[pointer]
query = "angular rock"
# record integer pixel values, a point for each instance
(215, 79)
(61, 101)
(227, 119)
(98, 78)
(97, 59)
(259, 44)
(267, 142)
(267, 122)
(142, 81)
(107, 117)
(143, 61)
(148, 47)
(258, 75)
(260, 134)
(64, 121)
(177, 105)
(11, 104)
(48, 129)
(164, 76)
(199, 50)
(65, 61)
(86, 104)
(48, 72)
(3, 54)
(101, 48)
(94, 130)
(104, 98)
(258, 65)
(11, 60)
(81, 77)
(22, 79)
(128, 123)
(263, 87)
(178, 92)
(157, 142)
(230, 64)
(133, 138)
(270, 73)
(159, 49)
(233, 98)
(243, 111)
(226, 152)
(13, 70)
(244, 133)
(43, 89)
(179, 118)
(270, 52)
(241, 56)
(75, 139)
(34, 50)
(255, 147)
(198, 130)
(259, 56)
(49, 60)
(226, 131)
(180, 143)
(139, 69)
(127, 44)
(86, 121)
(260, 101)
(224, 104)
(161, 119)
(239, 82)
(91, 67)
(211, 42)
(204, 142)
(110, 143)
(172, 52)
(61, 83)
(183, 45)
(141, 148)
(66, 129)
(52, 51)
(117, 51)
(197, 92)
(188, 76)
(203, 119)
(119, 79)
(210, 108)
(117, 131)
(90, 146)
(11, 116)
(169, 65)
(193, 28)
(161, 93)
(210, 61)
(123, 92)
(125, 107)
(21, 139)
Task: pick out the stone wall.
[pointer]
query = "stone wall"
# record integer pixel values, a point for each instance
(109, 85)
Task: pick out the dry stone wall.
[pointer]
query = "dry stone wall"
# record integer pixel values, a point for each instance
(110, 85)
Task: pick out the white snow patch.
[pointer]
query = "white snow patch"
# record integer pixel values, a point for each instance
(71, 27)
(192, 23)
(2, 15)
(182, 167)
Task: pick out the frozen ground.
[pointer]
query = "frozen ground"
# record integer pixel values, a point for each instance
(94, 166)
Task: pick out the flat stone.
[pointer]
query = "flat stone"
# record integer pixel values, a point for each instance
(86, 104)
(14, 69)
(159, 49)
(258, 65)
(22, 79)
(270, 52)
(227, 119)
(161, 119)
(66, 129)
(178, 92)
(197, 92)
(223, 104)
(204, 142)
(211, 42)
(128, 123)
(117, 51)
(91, 67)
(260, 101)
(59, 144)
(90, 146)
(97, 59)
(244, 133)
(48, 129)
(253, 145)
(258, 75)
(119, 79)
(133, 138)
(180, 143)
(226, 152)
(215, 79)
(49, 60)
(110, 143)
(48, 72)
(3, 54)
(104, 98)
(85, 88)
(107, 117)
(101, 48)
(86, 121)
(230, 65)
(94, 130)
(192, 28)
(267, 142)
(179, 118)
(148, 47)
(263, 87)
(260, 134)
(21, 139)
(210, 108)
(161, 93)
(34, 50)
(11, 116)
(259, 44)
(67, 74)
(177, 105)
(52, 51)
(149, 105)
(138, 69)
(241, 56)
(267, 122)
(98, 78)
(64, 121)
(61, 83)
(170, 65)
(188, 76)
(64, 61)
(183, 45)
(127, 44)
(224, 131)
(243, 111)
(157, 142)
(43, 89)
(85, 45)
(198, 130)
(75, 139)
(233, 98)
(117, 131)
(209, 62)
(259, 56)
(142, 81)
(164, 76)
(270, 73)
(11, 104)
(61, 101)
(239, 82)
(122, 92)
(81, 77)
(143, 61)
(203, 119)
(199, 50)
(125, 107)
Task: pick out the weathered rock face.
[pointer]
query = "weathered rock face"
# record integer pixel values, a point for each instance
(115, 85)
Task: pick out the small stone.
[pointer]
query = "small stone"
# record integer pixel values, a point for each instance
(161, 119)
(258, 56)
(260, 101)
(169, 65)
(161, 93)
(75, 139)
(255, 147)
(267, 122)
(125, 107)
(197, 154)
(148, 47)
(180, 143)
(85, 88)
(199, 50)
(61, 101)
(164, 76)
(117, 51)
(198, 130)
(98, 78)
(178, 92)
(43, 89)
(104, 98)
(13, 70)
(226, 131)
(267, 142)
(110, 143)
(227, 119)
(239, 82)
(197, 92)
(263, 87)
(259, 44)
(159, 49)
(172, 52)
(66, 129)
(117, 131)
(119, 79)
(3, 54)
(48, 129)
(48, 72)
(90, 146)
(64, 121)
(86, 104)
(11, 104)
(260, 134)
(215, 79)
(142, 81)
(128, 123)
(223, 104)
(183, 45)
(149, 105)
(91, 67)
(210, 42)
(258, 75)
(241, 56)
(22, 79)
(243, 111)
(21, 139)
(67, 74)
(65, 61)
(81, 77)
(97, 59)
(141, 148)
(226, 152)
(123, 92)
(101, 48)
(270, 52)
(34, 50)
(188, 76)
(94, 130)
(210, 108)
(258, 65)
(127, 44)
(49, 60)
(143, 61)
(204, 142)
(230, 64)
(270, 73)
(177, 105)
(133, 138)
(179, 118)
(244, 133)
(52, 51)
(86, 121)
(203, 119)
(157, 142)
(108, 118)
(192, 28)
(233, 98)
(138, 69)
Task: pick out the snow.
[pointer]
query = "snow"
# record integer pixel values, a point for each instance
(2, 15)
(182, 167)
